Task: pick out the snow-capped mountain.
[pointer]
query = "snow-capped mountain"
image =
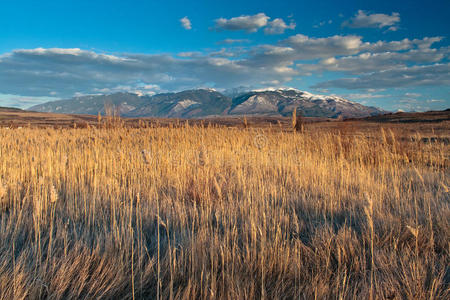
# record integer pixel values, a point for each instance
(283, 101)
(208, 102)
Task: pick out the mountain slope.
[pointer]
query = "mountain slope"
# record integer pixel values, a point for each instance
(185, 104)
(92, 104)
(283, 101)
(207, 102)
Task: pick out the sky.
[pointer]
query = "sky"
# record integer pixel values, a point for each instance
(390, 54)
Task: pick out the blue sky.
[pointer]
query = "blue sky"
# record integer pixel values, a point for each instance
(390, 54)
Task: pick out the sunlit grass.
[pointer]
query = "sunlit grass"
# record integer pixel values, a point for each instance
(208, 212)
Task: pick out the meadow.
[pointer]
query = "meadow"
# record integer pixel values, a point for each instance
(215, 212)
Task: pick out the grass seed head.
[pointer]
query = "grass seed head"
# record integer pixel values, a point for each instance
(3, 201)
(53, 194)
(2, 190)
(146, 156)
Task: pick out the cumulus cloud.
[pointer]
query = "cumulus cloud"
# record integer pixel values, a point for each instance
(186, 23)
(346, 53)
(301, 47)
(64, 72)
(405, 44)
(249, 23)
(369, 62)
(278, 26)
(252, 23)
(428, 75)
(427, 41)
(365, 20)
(310, 48)
(226, 52)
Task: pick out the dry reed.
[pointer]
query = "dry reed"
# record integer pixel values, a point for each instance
(223, 213)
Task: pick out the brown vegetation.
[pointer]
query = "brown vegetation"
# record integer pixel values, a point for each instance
(208, 212)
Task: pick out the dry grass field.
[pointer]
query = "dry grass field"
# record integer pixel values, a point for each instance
(211, 212)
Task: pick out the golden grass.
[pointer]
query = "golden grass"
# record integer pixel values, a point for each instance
(222, 213)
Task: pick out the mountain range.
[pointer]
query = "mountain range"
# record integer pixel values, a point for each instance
(208, 102)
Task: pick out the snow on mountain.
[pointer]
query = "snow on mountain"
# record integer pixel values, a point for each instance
(209, 102)
(282, 101)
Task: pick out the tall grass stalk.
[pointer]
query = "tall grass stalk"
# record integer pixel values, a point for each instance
(205, 212)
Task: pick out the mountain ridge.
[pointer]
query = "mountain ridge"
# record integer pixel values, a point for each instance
(209, 102)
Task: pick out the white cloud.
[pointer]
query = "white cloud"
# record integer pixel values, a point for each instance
(363, 96)
(63, 72)
(427, 41)
(369, 62)
(383, 46)
(310, 48)
(41, 72)
(249, 23)
(346, 53)
(233, 41)
(323, 23)
(278, 26)
(139, 89)
(74, 53)
(186, 23)
(413, 95)
(301, 47)
(190, 54)
(392, 28)
(428, 75)
(224, 52)
(364, 20)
